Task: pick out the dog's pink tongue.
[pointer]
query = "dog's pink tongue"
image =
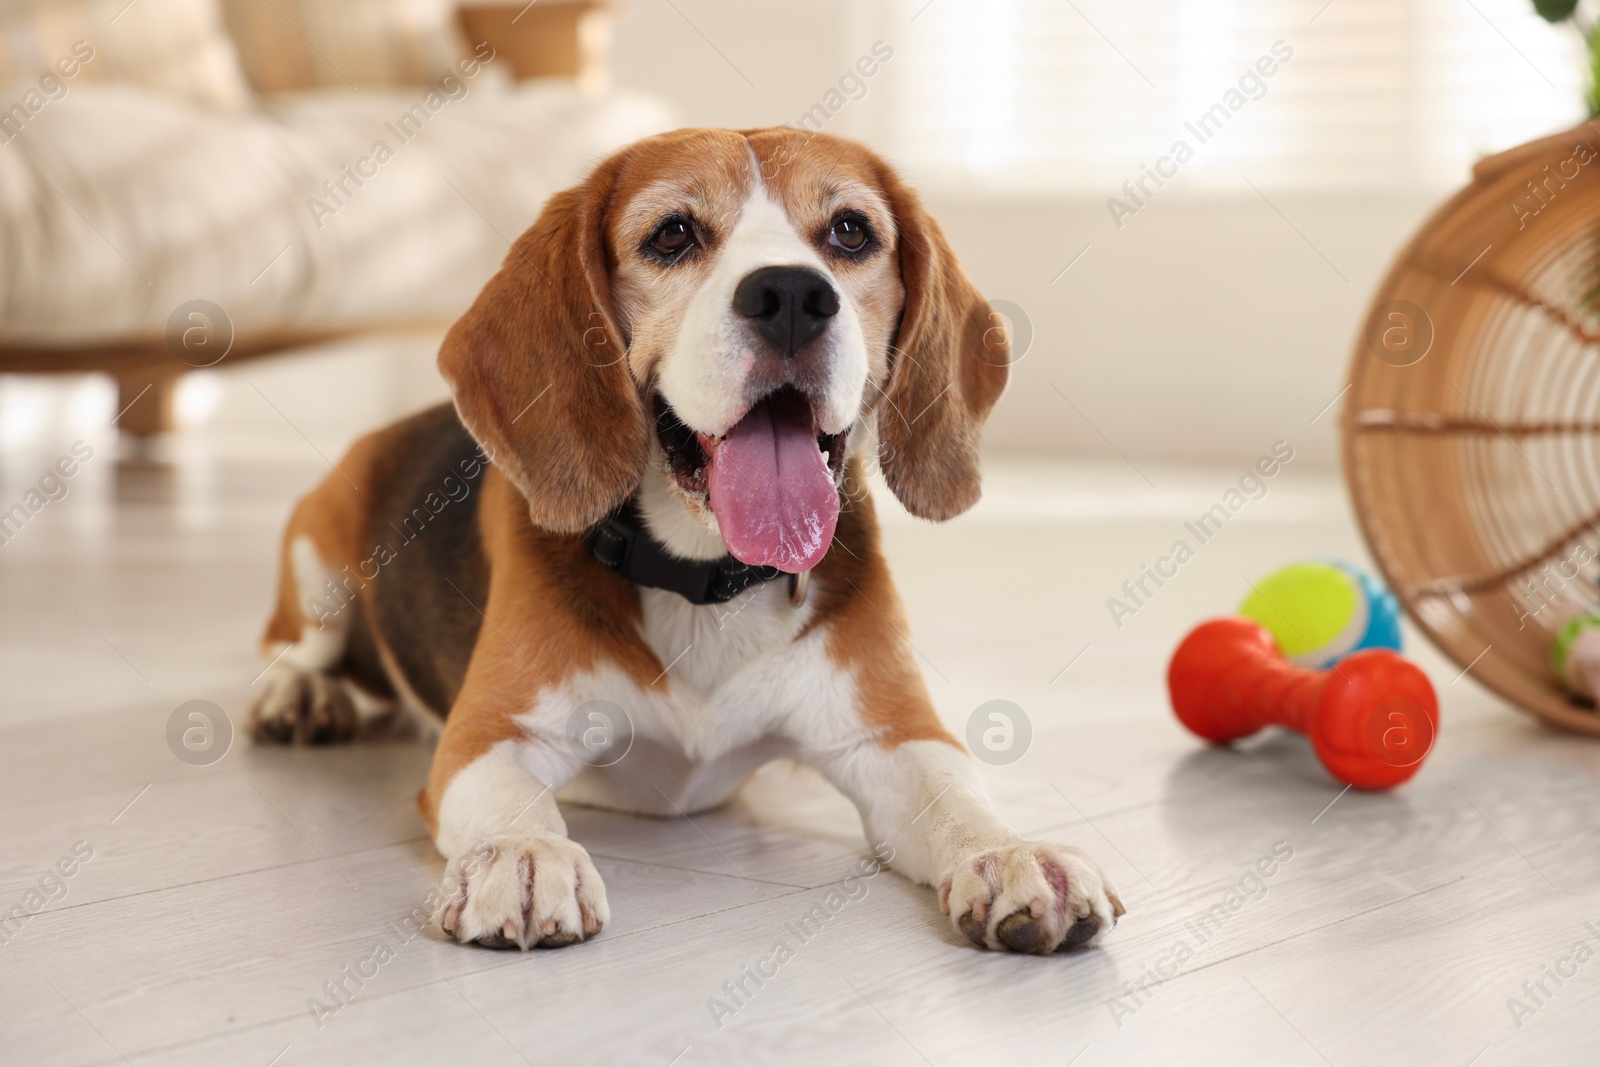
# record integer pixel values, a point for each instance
(772, 491)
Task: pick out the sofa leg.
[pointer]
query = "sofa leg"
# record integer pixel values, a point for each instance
(145, 400)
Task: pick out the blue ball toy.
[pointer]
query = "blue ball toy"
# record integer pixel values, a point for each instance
(1321, 611)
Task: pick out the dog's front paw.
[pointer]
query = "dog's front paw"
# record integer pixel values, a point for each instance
(522, 891)
(1030, 896)
(302, 708)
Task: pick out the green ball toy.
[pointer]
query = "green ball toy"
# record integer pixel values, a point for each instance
(1320, 611)
(1575, 655)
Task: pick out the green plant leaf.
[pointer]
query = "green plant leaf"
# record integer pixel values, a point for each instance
(1593, 99)
(1555, 10)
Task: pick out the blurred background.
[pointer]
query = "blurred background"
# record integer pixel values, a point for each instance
(1221, 314)
(1204, 318)
(232, 233)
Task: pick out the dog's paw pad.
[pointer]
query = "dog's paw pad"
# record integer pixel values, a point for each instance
(1020, 932)
(971, 927)
(1083, 931)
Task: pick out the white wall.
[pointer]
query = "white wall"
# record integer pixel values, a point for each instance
(1204, 329)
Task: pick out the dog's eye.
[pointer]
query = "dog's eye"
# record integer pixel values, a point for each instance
(849, 233)
(672, 237)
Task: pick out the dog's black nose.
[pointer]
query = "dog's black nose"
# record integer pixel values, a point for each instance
(789, 305)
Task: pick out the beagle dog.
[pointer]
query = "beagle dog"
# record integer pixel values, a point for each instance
(637, 560)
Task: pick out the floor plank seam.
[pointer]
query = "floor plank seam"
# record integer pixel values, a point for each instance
(693, 870)
(1209, 965)
(178, 885)
(521, 959)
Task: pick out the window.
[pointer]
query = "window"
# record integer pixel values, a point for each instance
(1080, 95)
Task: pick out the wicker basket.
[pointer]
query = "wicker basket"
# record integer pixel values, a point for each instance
(1472, 428)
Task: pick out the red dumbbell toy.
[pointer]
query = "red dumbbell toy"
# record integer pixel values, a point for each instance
(1371, 718)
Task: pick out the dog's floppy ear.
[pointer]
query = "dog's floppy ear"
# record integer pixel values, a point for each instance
(539, 376)
(948, 366)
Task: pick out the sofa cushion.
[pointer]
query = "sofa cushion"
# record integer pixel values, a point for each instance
(348, 44)
(49, 46)
(324, 211)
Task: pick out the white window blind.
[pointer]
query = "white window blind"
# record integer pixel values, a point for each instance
(1081, 94)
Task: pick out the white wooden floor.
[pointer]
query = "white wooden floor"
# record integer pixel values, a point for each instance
(219, 899)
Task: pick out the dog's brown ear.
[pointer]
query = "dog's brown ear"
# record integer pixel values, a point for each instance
(948, 366)
(539, 375)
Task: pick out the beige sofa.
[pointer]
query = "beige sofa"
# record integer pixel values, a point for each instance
(146, 229)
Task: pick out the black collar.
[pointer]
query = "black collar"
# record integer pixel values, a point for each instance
(623, 544)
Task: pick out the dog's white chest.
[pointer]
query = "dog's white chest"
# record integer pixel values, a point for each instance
(729, 671)
(705, 648)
